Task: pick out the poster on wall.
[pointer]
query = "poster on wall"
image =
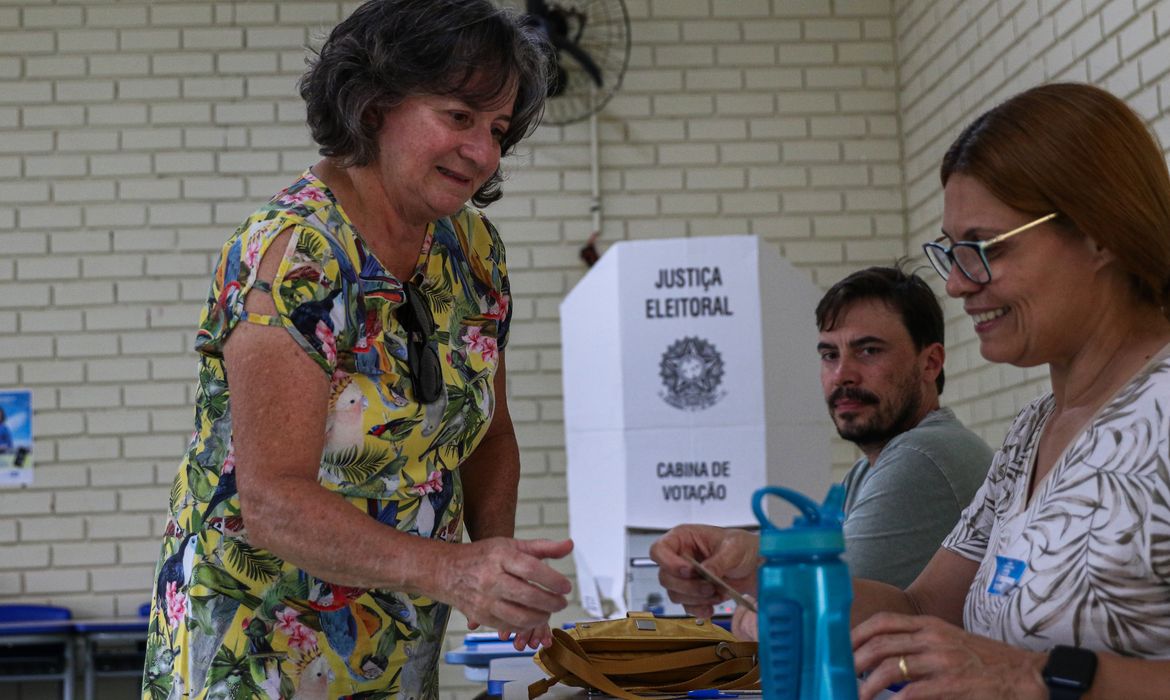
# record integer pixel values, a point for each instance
(16, 437)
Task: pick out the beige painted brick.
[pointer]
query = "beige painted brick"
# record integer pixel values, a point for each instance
(48, 217)
(182, 316)
(113, 215)
(170, 420)
(77, 141)
(812, 252)
(715, 31)
(735, 153)
(180, 15)
(185, 113)
(750, 203)
(145, 551)
(86, 501)
(116, 318)
(746, 55)
(650, 180)
(275, 37)
(24, 556)
(259, 62)
(57, 581)
(41, 321)
(177, 214)
(41, 372)
(54, 66)
(777, 177)
(83, 554)
(23, 43)
(115, 17)
(119, 65)
(217, 38)
(679, 8)
(115, 527)
(308, 13)
(843, 226)
(87, 41)
(155, 342)
(26, 502)
(715, 178)
(59, 423)
(153, 138)
(161, 446)
(121, 164)
(116, 370)
(812, 202)
(51, 529)
(120, 578)
(116, 115)
(683, 105)
(55, 166)
(25, 192)
(84, 90)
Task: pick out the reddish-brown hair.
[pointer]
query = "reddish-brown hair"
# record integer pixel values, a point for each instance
(1079, 151)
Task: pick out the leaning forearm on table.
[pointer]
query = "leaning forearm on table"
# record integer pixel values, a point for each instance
(872, 597)
(320, 532)
(1132, 679)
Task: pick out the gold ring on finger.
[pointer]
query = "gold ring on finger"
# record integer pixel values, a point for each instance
(903, 668)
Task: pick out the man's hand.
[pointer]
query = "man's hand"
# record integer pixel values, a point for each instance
(730, 554)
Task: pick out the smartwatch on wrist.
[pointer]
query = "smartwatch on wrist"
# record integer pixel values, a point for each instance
(1069, 672)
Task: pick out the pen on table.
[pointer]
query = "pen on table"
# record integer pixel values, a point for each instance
(721, 584)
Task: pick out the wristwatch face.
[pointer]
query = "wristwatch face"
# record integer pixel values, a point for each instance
(1070, 667)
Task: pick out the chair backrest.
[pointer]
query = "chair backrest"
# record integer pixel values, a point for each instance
(21, 612)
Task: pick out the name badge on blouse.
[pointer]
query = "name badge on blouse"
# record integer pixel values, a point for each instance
(1007, 575)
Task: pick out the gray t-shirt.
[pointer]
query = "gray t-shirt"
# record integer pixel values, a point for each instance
(899, 509)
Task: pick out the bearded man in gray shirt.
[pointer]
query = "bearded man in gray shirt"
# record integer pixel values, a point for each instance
(881, 350)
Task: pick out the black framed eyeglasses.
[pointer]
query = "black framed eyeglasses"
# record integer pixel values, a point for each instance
(970, 256)
(426, 370)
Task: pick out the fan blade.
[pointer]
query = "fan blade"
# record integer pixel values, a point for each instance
(581, 57)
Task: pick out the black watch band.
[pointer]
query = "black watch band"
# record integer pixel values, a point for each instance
(1069, 672)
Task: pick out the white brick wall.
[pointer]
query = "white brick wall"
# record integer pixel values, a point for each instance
(134, 135)
(957, 59)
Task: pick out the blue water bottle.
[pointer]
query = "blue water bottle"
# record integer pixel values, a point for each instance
(803, 599)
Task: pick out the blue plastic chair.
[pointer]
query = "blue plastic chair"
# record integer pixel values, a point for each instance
(36, 644)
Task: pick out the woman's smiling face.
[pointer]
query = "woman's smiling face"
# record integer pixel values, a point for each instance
(1042, 281)
(436, 151)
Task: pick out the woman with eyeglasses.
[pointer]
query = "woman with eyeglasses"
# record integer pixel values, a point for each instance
(350, 415)
(1056, 223)
(1055, 584)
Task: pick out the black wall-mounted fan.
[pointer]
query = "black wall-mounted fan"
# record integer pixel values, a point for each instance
(591, 39)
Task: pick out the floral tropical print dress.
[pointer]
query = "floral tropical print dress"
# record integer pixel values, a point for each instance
(1085, 562)
(230, 620)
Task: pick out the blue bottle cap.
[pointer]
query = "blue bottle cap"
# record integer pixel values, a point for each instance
(816, 531)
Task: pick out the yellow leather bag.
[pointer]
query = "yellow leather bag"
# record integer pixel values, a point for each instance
(641, 654)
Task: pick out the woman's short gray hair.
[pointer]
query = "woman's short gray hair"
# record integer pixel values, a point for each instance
(388, 50)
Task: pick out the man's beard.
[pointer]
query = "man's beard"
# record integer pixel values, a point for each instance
(890, 418)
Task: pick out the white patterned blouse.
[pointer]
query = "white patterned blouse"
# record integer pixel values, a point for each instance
(1087, 562)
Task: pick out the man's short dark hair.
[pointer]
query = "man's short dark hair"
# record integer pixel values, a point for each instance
(904, 292)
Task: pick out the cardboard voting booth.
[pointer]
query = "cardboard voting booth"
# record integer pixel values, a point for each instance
(691, 379)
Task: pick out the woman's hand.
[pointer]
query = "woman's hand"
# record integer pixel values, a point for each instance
(745, 624)
(942, 661)
(730, 554)
(503, 583)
